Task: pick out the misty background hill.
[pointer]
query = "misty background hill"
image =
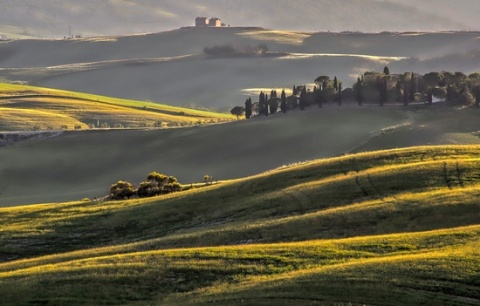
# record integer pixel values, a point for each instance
(54, 18)
(171, 67)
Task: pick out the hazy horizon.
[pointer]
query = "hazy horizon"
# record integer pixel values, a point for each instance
(54, 18)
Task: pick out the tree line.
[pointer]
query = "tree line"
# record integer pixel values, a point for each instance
(373, 88)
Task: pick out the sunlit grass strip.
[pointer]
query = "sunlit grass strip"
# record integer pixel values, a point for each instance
(16, 90)
(220, 272)
(357, 247)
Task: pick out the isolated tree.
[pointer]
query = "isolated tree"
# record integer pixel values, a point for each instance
(283, 102)
(208, 179)
(335, 83)
(237, 111)
(386, 71)
(248, 108)
(121, 190)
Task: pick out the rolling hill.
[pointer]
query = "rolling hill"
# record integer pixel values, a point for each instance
(83, 164)
(171, 67)
(395, 227)
(26, 108)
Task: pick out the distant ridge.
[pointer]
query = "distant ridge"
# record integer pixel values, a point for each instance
(49, 18)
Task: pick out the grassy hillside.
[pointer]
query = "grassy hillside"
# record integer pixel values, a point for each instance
(28, 108)
(79, 164)
(83, 164)
(391, 227)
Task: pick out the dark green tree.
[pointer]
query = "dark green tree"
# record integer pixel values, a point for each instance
(237, 111)
(248, 108)
(358, 88)
(386, 71)
(303, 99)
(283, 102)
(339, 97)
(413, 87)
(335, 83)
(262, 104)
(273, 105)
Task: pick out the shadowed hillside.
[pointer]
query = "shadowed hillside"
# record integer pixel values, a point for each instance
(396, 227)
(78, 164)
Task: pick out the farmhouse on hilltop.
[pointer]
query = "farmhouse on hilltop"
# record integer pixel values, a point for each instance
(208, 22)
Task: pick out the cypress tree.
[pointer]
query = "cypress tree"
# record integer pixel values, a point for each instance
(335, 83)
(358, 91)
(283, 105)
(339, 98)
(413, 88)
(303, 99)
(386, 71)
(248, 108)
(294, 90)
(261, 103)
(265, 101)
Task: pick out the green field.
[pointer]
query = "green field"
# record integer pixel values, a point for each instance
(393, 227)
(25, 107)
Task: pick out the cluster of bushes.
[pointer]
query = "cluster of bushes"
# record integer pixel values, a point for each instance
(156, 184)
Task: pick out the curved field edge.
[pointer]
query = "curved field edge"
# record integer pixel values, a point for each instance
(403, 190)
(83, 109)
(440, 266)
